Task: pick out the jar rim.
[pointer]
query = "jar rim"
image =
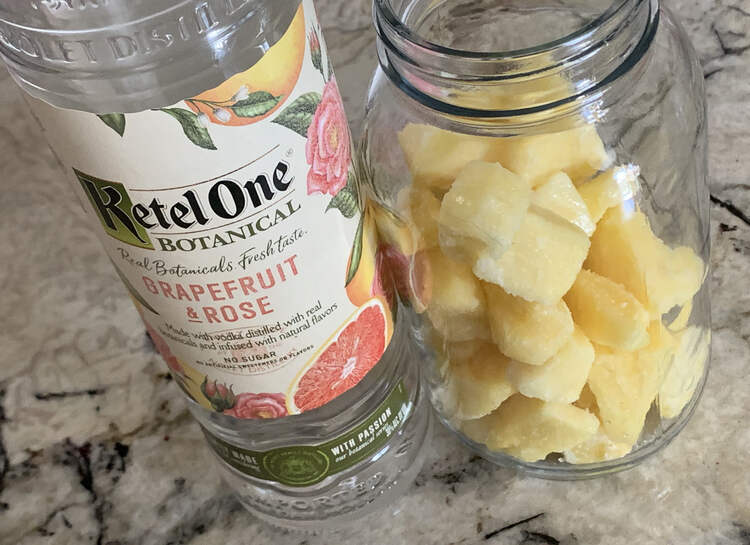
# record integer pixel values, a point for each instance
(384, 11)
(623, 32)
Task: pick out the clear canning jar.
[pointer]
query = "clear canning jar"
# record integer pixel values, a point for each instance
(544, 169)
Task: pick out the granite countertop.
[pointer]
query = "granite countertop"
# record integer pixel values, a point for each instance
(96, 445)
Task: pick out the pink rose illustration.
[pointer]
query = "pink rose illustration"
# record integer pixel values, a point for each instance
(328, 145)
(163, 349)
(258, 406)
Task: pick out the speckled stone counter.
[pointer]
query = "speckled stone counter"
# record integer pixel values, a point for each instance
(96, 445)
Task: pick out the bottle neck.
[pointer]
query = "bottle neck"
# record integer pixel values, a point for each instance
(520, 86)
(123, 57)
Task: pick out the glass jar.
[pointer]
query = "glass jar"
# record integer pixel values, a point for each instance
(543, 165)
(189, 130)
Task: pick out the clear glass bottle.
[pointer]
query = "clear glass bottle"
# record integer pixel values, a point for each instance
(206, 140)
(548, 163)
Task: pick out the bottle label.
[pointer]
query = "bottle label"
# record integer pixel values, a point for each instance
(309, 464)
(234, 219)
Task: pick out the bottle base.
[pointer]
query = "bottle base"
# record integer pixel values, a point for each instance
(347, 496)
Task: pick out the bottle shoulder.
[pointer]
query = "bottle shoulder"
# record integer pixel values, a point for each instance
(147, 55)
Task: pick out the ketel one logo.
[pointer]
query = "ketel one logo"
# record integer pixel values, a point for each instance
(115, 210)
(215, 204)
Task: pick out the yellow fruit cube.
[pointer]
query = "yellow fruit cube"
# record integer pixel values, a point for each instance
(597, 448)
(610, 188)
(435, 156)
(530, 429)
(451, 351)
(625, 384)
(542, 263)
(461, 328)
(607, 312)
(457, 307)
(686, 372)
(479, 382)
(678, 277)
(463, 350)
(578, 152)
(616, 380)
(527, 332)
(559, 195)
(625, 250)
(424, 213)
(483, 209)
(562, 378)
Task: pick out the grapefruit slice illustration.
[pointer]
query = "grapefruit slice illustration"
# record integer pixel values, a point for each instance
(344, 360)
(276, 73)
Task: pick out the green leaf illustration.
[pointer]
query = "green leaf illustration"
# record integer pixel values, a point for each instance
(317, 60)
(346, 202)
(352, 184)
(192, 127)
(257, 104)
(299, 114)
(116, 122)
(356, 255)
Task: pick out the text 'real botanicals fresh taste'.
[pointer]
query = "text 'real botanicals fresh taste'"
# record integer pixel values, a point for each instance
(234, 220)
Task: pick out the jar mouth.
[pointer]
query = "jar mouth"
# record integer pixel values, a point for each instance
(385, 11)
(548, 79)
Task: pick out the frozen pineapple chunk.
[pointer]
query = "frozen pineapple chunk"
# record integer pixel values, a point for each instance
(610, 188)
(462, 350)
(561, 378)
(597, 448)
(424, 212)
(527, 332)
(625, 250)
(677, 278)
(578, 152)
(479, 382)
(483, 210)
(560, 196)
(617, 381)
(457, 308)
(530, 429)
(435, 156)
(625, 384)
(607, 312)
(691, 355)
(543, 261)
